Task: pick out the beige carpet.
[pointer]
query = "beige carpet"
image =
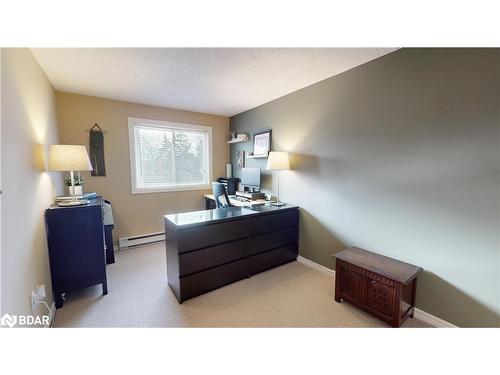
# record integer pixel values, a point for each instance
(293, 295)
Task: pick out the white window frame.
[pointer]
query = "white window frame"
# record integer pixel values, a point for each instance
(133, 122)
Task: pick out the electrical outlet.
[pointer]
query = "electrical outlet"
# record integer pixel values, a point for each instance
(37, 295)
(40, 290)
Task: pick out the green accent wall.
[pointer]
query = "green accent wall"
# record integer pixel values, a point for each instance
(399, 156)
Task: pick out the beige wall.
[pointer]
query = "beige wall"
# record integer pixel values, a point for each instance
(29, 126)
(134, 213)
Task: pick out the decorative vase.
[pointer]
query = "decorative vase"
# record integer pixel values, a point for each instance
(78, 190)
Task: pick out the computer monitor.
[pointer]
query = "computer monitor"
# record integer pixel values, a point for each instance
(250, 178)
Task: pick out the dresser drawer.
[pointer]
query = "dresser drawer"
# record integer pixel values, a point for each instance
(205, 281)
(273, 258)
(274, 222)
(210, 235)
(212, 256)
(274, 240)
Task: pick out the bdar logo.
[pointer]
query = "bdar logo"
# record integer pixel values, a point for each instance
(8, 320)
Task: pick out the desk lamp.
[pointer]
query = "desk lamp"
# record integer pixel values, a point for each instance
(70, 158)
(278, 161)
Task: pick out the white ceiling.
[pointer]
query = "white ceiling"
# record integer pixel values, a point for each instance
(223, 81)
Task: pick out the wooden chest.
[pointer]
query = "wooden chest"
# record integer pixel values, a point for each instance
(382, 286)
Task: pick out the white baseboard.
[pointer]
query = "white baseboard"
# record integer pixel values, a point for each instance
(432, 320)
(315, 265)
(418, 314)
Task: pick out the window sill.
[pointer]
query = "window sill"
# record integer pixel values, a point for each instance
(170, 190)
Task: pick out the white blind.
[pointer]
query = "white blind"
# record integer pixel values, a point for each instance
(168, 157)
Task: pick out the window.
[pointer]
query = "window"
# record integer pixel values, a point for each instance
(167, 156)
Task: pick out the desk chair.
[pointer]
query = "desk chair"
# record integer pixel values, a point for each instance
(220, 195)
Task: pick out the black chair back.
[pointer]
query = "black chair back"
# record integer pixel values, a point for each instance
(220, 195)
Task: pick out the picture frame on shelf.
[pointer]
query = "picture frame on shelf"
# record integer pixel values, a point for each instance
(262, 143)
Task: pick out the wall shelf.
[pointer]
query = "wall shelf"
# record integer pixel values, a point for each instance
(238, 138)
(237, 141)
(256, 156)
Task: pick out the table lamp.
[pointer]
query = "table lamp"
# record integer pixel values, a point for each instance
(70, 158)
(278, 161)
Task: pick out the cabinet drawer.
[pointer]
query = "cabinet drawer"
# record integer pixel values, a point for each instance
(274, 240)
(351, 283)
(274, 222)
(210, 235)
(273, 258)
(380, 297)
(205, 281)
(213, 256)
(76, 247)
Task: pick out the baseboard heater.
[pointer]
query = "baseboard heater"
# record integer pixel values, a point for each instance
(126, 242)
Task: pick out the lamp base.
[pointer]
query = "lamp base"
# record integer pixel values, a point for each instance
(71, 203)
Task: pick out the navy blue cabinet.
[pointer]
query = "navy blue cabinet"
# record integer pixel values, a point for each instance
(77, 255)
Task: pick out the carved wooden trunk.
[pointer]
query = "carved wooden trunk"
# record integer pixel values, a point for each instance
(382, 286)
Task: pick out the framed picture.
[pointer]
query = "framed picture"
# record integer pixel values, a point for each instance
(240, 157)
(262, 143)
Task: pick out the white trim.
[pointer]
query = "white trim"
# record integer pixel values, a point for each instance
(431, 319)
(315, 265)
(166, 190)
(418, 314)
(132, 121)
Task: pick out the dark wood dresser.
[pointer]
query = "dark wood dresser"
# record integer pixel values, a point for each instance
(212, 248)
(380, 285)
(76, 243)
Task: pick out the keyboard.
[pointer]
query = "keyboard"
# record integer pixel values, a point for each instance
(240, 199)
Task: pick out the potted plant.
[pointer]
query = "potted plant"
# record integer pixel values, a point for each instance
(79, 182)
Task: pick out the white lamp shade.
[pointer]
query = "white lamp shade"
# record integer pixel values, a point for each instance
(69, 158)
(278, 160)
